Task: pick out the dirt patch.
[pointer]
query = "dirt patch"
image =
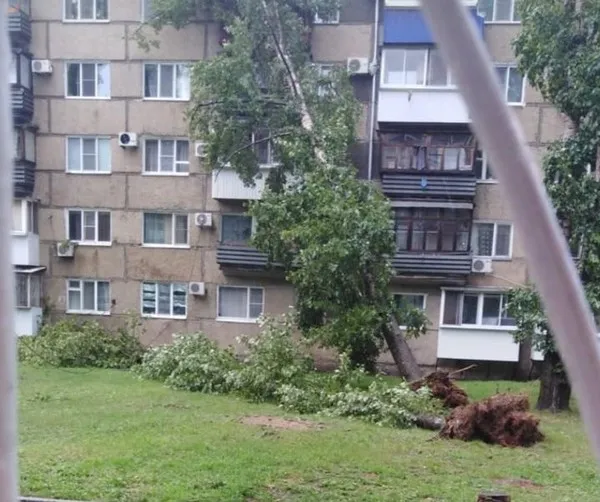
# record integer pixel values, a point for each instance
(442, 387)
(280, 423)
(520, 483)
(502, 419)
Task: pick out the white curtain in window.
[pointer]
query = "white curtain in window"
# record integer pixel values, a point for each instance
(155, 231)
(233, 302)
(183, 82)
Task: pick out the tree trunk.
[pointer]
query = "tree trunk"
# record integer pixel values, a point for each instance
(555, 389)
(403, 357)
(524, 364)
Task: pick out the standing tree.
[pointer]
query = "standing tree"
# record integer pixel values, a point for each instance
(558, 49)
(331, 232)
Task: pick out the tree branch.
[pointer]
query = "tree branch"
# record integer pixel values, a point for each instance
(253, 143)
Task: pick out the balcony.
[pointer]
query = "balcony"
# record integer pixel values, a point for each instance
(421, 166)
(19, 26)
(21, 88)
(23, 179)
(227, 185)
(432, 265)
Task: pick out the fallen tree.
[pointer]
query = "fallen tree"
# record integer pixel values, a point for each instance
(442, 387)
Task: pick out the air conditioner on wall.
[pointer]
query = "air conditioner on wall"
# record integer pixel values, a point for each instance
(358, 66)
(128, 139)
(200, 149)
(197, 289)
(41, 66)
(203, 220)
(481, 265)
(65, 249)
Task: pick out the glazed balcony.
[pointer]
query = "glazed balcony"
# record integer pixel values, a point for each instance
(21, 88)
(19, 23)
(24, 163)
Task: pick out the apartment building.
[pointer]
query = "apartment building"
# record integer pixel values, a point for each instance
(131, 220)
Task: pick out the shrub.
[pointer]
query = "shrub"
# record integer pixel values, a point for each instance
(273, 359)
(70, 343)
(192, 362)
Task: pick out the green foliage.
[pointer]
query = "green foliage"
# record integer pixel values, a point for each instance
(70, 344)
(272, 359)
(277, 368)
(558, 48)
(191, 362)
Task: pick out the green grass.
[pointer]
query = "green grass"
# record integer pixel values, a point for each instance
(103, 435)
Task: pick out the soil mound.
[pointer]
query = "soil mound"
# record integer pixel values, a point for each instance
(442, 387)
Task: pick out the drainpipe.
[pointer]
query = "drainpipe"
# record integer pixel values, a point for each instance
(375, 66)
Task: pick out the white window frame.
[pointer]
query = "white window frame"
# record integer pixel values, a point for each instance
(159, 65)
(85, 20)
(28, 274)
(173, 221)
(388, 50)
(171, 285)
(504, 84)
(83, 242)
(144, 19)
(334, 20)
(410, 293)
(484, 168)
(324, 70)
(96, 64)
(159, 153)
(252, 230)
(494, 239)
(82, 311)
(493, 20)
(28, 218)
(96, 140)
(272, 162)
(247, 319)
(478, 326)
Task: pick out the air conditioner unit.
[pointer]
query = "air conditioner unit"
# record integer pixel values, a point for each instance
(65, 249)
(128, 140)
(200, 149)
(203, 220)
(41, 66)
(481, 265)
(358, 66)
(197, 289)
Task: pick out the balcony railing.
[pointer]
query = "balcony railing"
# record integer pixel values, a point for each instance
(22, 104)
(432, 264)
(23, 178)
(19, 28)
(243, 258)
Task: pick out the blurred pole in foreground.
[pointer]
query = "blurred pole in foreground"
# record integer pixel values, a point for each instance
(8, 353)
(548, 256)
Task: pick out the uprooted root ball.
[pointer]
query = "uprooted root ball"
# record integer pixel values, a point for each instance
(502, 419)
(442, 387)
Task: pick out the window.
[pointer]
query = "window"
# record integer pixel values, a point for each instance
(327, 18)
(498, 11)
(20, 70)
(427, 152)
(483, 170)
(263, 148)
(88, 296)
(236, 229)
(432, 230)
(86, 10)
(89, 226)
(24, 145)
(28, 290)
(147, 10)
(22, 5)
(166, 156)
(493, 240)
(512, 83)
(88, 80)
(324, 71)
(166, 229)
(88, 155)
(404, 300)
(415, 67)
(163, 299)
(240, 303)
(167, 81)
(24, 217)
(476, 309)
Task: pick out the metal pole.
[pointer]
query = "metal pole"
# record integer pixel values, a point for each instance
(548, 256)
(8, 353)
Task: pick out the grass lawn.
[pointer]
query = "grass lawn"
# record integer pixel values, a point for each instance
(103, 435)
